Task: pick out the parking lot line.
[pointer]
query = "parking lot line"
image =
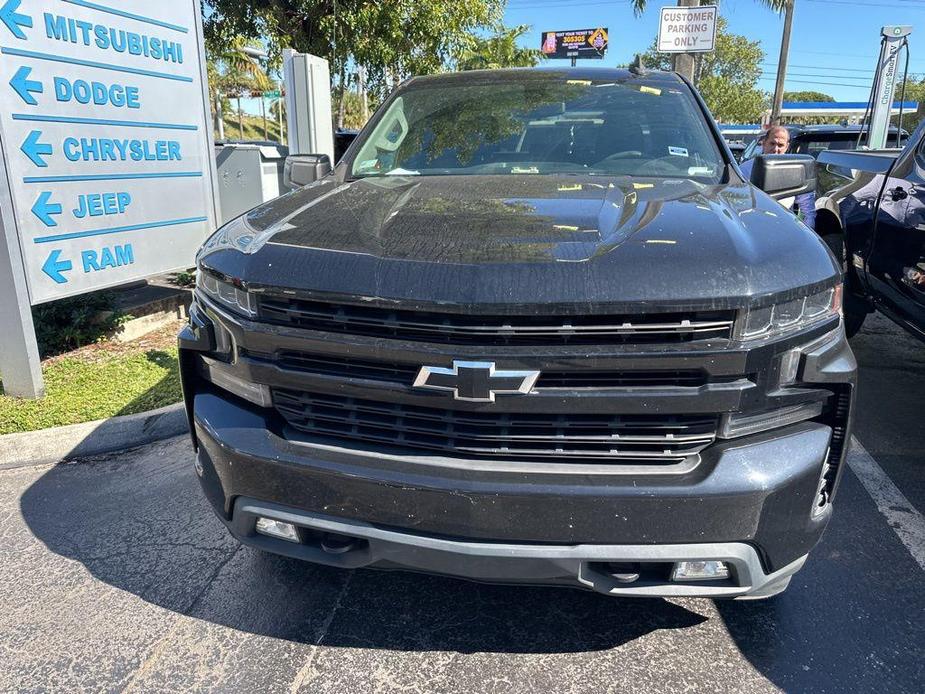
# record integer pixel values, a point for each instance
(905, 520)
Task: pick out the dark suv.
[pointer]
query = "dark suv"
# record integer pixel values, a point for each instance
(533, 327)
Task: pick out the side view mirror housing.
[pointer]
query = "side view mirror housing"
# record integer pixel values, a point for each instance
(302, 169)
(784, 175)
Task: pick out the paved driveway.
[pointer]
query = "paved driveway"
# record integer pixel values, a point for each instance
(116, 577)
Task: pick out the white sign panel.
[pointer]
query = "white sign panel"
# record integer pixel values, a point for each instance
(106, 139)
(687, 29)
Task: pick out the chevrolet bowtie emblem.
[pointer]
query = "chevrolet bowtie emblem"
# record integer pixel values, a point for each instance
(477, 381)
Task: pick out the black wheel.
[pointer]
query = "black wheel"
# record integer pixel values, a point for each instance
(854, 309)
(853, 321)
(836, 243)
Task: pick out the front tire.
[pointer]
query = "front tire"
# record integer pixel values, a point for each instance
(854, 320)
(854, 309)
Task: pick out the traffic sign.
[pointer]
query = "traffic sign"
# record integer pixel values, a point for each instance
(108, 173)
(272, 94)
(687, 29)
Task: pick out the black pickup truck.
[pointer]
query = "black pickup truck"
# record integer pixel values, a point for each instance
(871, 211)
(533, 327)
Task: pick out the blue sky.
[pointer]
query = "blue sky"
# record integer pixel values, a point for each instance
(833, 49)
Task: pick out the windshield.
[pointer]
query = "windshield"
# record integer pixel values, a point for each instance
(539, 126)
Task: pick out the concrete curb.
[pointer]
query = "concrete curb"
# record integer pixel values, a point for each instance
(91, 438)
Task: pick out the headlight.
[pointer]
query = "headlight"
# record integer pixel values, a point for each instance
(772, 321)
(226, 294)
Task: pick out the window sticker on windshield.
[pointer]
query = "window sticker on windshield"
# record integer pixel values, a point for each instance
(650, 90)
(699, 171)
(678, 151)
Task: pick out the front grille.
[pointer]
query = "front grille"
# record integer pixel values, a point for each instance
(654, 328)
(390, 372)
(641, 439)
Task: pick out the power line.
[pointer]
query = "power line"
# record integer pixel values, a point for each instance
(537, 4)
(823, 67)
(817, 74)
(857, 3)
(818, 83)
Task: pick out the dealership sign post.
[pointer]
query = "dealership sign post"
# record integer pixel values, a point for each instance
(687, 29)
(108, 174)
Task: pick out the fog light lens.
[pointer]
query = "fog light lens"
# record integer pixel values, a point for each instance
(275, 528)
(700, 571)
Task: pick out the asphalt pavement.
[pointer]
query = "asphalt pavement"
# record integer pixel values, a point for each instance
(116, 577)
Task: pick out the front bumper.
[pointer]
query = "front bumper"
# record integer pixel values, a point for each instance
(589, 566)
(749, 504)
(748, 501)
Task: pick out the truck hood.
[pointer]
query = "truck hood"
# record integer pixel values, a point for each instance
(516, 240)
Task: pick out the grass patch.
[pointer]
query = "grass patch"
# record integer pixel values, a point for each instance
(98, 382)
(253, 128)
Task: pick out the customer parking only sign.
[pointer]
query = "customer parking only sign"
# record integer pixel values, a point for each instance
(106, 141)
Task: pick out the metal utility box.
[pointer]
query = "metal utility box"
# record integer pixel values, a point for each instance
(308, 103)
(248, 174)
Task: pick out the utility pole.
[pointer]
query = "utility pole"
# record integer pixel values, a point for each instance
(263, 112)
(364, 99)
(279, 112)
(782, 65)
(683, 63)
(219, 117)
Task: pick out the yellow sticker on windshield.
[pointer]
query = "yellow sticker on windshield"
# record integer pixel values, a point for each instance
(565, 189)
(586, 83)
(640, 186)
(651, 90)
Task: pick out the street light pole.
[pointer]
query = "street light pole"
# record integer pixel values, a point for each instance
(683, 63)
(782, 65)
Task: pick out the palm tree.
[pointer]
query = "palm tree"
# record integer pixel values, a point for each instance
(232, 72)
(497, 51)
(778, 6)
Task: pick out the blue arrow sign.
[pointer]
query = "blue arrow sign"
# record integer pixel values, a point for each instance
(54, 267)
(34, 149)
(15, 20)
(24, 86)
(43, 209)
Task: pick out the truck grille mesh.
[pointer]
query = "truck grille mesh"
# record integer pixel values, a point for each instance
(391, 372)
(641, 439)
(497, 330)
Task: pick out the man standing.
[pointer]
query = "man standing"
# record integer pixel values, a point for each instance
(777, 141)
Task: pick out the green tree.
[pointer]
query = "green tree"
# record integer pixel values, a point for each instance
(915, 91)
(499, 50)
(808, 96)
(392, 39)
(727, 78)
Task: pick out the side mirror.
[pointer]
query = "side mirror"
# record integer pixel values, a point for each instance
(784, 175)
(302, 169)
